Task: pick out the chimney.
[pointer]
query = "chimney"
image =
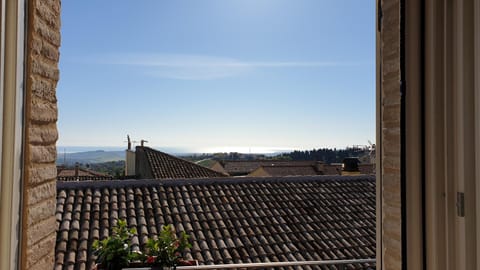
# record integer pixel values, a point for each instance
(142, 142)
(76, 170)
(129, 162)
(129, 145)
(320, 167)
(350, 164)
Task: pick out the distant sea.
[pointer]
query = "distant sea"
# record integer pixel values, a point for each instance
(176, 150)
(77, 149)
(81, 149)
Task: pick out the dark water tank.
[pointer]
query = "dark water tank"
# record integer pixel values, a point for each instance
(350, 164)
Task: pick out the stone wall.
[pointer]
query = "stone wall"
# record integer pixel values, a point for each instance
(390, 135)
(39, 195)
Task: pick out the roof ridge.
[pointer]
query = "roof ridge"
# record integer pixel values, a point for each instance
(208, 181)
(286, 166)
(269, 160)
(96, 173)
(181, 160)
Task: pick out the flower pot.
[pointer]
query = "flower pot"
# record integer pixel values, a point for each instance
(151, 267)
(135, 265)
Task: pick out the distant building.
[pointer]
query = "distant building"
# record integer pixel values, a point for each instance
(350, 164)
(318, 169)
(243, 168)
(353, 166)
(333, 169)
(80, 174)
(281, 171)
(212, 164)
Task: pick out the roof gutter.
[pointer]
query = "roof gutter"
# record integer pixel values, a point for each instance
(340, 263)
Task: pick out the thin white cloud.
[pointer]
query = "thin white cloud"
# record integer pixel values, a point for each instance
(201, 67)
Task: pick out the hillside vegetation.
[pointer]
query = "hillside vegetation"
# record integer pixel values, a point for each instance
(99, 156)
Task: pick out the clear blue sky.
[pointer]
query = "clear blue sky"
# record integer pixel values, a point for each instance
(218, 74)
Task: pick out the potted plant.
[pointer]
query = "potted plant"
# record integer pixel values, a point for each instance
(165, 251)
(114, 252)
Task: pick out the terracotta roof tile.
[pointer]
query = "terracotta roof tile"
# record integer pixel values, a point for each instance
(229, 220)
(246, 167)
(160, 165)
(82, 174)
(287, 170)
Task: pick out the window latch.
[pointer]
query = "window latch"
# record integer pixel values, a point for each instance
(460, 204)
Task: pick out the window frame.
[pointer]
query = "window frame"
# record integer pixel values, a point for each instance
(452, 134)
(477, 116)
(12, 91)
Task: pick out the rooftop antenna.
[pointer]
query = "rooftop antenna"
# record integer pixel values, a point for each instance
(129, 142)
(142, 142)
(372, 151)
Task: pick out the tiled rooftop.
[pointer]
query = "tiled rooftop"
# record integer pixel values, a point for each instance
(230, 220)
(64, 174)
(241, 167)
(161, 165)
(279, 171)
(332, 169)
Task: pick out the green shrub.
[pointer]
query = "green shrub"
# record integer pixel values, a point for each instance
(167, 249)
(114, 252)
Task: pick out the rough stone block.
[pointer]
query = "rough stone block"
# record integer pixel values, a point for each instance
(43, 134)
(42, 192)
(44, 89)
(46, 31)
(391, 113)
(43, 153)
(42, 47)
(36, 253)
(46, 262)
(43, 229)
(49, 13)
(55, 5)
(43, 111)
(41, 211)
(40, 173)
(45, 69)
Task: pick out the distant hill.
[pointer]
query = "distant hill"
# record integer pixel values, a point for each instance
(89, 157)
(114, 168)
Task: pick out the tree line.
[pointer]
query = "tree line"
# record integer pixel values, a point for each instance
(326, 155)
